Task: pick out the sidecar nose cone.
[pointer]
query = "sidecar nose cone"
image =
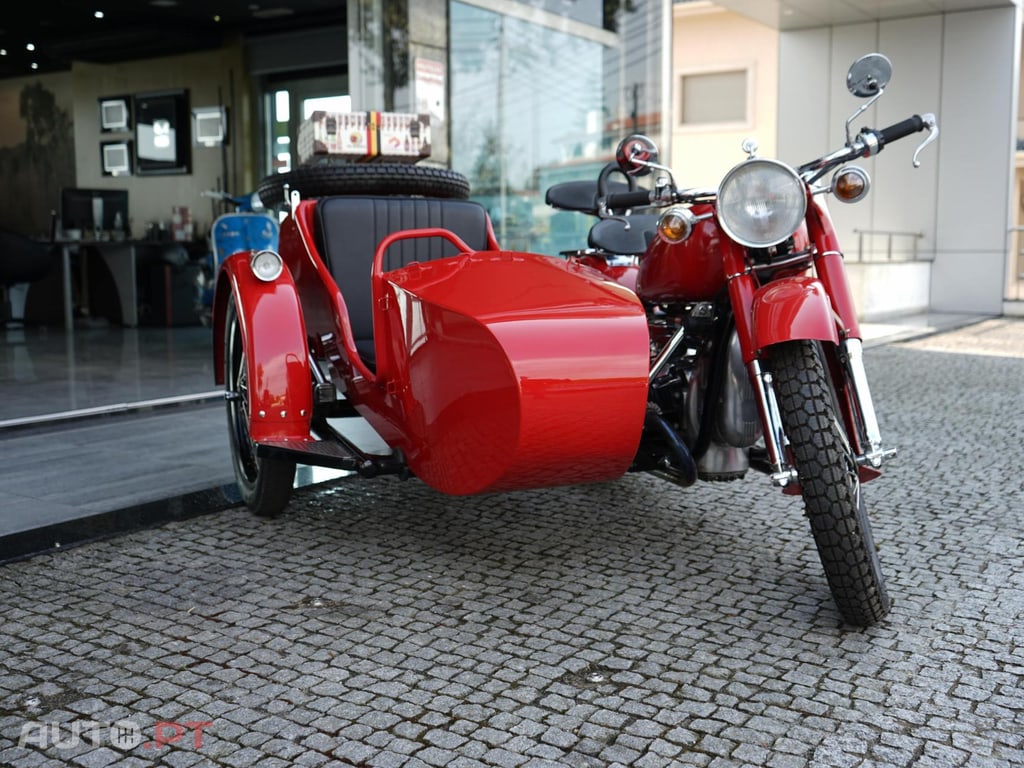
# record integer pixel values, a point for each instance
(266, 265)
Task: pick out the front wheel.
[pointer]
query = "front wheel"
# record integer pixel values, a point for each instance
(830, 483)
(264, 484)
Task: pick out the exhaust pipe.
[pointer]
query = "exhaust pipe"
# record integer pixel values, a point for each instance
(683, 469)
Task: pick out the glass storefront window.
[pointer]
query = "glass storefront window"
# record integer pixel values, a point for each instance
(540, 96)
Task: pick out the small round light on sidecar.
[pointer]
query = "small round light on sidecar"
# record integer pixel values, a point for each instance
(266, 265)
(851, 184)
(676, 224)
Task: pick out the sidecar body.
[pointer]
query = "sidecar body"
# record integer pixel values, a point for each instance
(480, 369)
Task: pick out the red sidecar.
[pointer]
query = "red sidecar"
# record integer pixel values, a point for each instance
(479, 369)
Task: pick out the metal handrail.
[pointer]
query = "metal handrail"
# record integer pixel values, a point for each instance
(890, 234)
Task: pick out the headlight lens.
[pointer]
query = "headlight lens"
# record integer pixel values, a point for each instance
(761, 203)
(266, 265)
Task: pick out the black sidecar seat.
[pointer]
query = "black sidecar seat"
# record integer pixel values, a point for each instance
(346, 232)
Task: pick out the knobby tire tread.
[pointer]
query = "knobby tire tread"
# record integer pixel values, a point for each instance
(829, 483)
(398, 179)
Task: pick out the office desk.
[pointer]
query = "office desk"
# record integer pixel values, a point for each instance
(121, 258)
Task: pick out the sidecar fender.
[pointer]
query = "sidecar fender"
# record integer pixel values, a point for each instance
(274, 337)
(790, 309)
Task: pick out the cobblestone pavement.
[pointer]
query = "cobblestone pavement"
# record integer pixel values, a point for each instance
(377, 623)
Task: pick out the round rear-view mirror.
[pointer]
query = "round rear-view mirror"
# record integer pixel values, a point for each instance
(869, 75)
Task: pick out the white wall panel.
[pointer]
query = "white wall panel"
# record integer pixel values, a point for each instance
(959, 66)
(804, 79)
(975, 160)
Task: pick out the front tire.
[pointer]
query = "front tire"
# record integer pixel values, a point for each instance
(264, 484)
(830, 483)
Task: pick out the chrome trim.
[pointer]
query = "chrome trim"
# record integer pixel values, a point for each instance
(666, 353)
(790, 261)
(851, 352)
(933, 133)
(774, 435)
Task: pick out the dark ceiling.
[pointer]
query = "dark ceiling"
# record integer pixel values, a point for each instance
(63, 31)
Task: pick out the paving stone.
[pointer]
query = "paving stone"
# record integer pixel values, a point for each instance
(460, 631)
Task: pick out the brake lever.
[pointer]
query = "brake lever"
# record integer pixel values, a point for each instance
(933, 127)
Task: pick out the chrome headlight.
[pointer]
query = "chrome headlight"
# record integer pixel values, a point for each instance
(266, 265)
(761, 203)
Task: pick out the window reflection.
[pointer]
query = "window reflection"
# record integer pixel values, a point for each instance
(539, 98)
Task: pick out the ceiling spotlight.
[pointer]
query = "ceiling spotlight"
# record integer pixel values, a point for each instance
(34, 65)
(3, 51)
(97, 14)
(30, 46)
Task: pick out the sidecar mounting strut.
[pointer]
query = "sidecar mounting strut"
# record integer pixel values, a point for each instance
(334, 451)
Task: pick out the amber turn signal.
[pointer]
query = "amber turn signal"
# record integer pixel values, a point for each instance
(850, 184)
(676, 224)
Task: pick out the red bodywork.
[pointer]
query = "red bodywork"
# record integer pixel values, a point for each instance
(797, 306)
(495, 370)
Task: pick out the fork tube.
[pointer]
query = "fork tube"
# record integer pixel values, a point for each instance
(771, 417)
(852, 355)
(742, 287)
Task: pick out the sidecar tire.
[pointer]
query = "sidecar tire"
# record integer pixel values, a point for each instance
(330, 179)
(830, 484)
(265, 484)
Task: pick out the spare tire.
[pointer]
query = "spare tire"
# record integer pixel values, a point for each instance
(363, 179)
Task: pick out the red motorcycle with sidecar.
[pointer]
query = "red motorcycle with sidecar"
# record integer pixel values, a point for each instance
(702, 333)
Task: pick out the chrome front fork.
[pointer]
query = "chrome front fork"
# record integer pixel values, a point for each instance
(851, 353)
(782, 474)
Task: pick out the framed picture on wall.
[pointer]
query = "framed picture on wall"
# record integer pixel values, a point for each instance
(116, 158)
(115, 114)
(163, 143)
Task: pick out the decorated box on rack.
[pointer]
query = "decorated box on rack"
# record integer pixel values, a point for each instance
(401, 136)
(364, 136)
(335, 134)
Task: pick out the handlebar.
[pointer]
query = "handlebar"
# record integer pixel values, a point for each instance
(866, 143)
(900, 130)
(621, 200)
(870, 142)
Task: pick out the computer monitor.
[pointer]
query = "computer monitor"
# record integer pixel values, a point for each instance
(77, 209)
(114, 114)
(209, 126)
(117, 158)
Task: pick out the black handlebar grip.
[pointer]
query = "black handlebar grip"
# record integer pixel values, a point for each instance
(619, 200)
(900, 130)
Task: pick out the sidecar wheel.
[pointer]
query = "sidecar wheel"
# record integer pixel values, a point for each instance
(363, 179)
(265, 484)
(830, 483)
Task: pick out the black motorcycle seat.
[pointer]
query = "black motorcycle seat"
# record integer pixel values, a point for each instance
(612, 235)
(347, 230)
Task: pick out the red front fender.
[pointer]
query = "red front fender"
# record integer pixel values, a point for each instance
(274, 337)
(792, 308)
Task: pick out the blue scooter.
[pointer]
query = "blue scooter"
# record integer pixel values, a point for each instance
(249, 227)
